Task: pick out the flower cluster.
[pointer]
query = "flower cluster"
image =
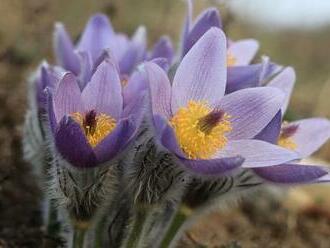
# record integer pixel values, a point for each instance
(126, 140)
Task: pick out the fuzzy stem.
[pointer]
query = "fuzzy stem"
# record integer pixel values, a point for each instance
(99, 233)
(78, 237)
(138, 223)
(178, 220)
(53, 225)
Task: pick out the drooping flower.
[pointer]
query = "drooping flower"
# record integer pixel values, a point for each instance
(303, 136)
(206, 130)
(91, 126)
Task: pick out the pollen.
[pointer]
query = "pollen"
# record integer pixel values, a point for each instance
(231, 60)
(285, 140)
(96, 126)
(200, 130)
(287, 143)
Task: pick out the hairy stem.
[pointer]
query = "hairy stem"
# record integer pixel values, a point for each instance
(137, 227)
(78, 237)
(178, 220)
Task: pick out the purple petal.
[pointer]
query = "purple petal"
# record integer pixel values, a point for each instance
(86, 69)
(272, 131)
(160, 90)
(251, 110)
(186, 27)
(163, 49)
(162, 63)
(257, 153)
(116, 141)
(136, 85)
(206, 20)
(243, 51)
(67, 97)
(291, 173)
(212, 167)
(97, 36)
(202, 74)
(284, 81)
(241, 77)
(103, 92)
(64, 50)
(311, 135)
(269, 69)
(71, 143)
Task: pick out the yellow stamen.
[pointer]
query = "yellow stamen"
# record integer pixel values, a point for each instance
(231, 60)
(287, 142)
(104, 124)
(195, 142)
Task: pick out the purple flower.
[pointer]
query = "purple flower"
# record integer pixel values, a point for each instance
(208, 132)
(98, 39)
(303, 136)
(91, 126)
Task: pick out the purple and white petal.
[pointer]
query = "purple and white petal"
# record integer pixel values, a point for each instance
(86, 69)
(67, 97)
(202, 74)
(251, 110)
(272, 131)
(162, 63)
(212, 167)
(292, 173)
(242, 77)
(243, 51)
(103, 92)
(136, 85)
(64, 50)
(97, 36)
(206, 20)
(285, 81)
(257, 153)
(163, 49)
(160, 90)
(311, 135)
(186, 28)
(71, 143)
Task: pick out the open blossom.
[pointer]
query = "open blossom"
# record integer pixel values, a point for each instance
(303, 136)
(206, 130)
(91, 126)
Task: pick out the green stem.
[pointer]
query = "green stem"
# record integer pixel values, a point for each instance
(78, 237)
(53, 225)
(177, 222)
(99, 233)
(137, 227)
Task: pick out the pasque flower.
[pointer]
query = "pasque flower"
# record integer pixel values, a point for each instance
(90, 126)
(303, 136)
(207, 131)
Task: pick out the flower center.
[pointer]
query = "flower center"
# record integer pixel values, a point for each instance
(231, 60)
(285, 140)
(96, 126)
(200, 130)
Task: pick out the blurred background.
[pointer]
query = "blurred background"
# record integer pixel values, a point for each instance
(291, 32)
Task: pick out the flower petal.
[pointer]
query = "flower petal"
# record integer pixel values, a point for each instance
(206, 20)
(257, 153)
(243, 51)
(202, 74)
(186, 27)
(241, 77)
(86, 69)
(97, 36)
(162, 63)
(112, 145)
(67, 97)
(160, 90)
(64, 50)
(136, 85)
(251, 110)
(284, 81)
(103, 92)
(163, 49)
(272, 131)
(71, 143)
(311, 135)
(291, 173)
(212, 167)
